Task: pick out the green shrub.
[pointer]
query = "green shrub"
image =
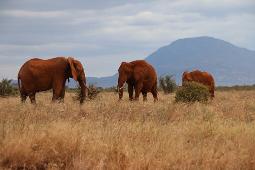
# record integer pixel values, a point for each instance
(192, 92)
(6, 88)
(167, 84)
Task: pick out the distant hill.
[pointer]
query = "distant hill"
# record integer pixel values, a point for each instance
(99, 82)
(229, 64)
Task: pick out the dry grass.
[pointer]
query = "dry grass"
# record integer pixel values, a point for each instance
(107, 134)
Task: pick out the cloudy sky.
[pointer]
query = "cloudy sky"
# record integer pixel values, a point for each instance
(103, 33)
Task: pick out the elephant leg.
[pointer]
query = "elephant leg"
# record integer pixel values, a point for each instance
(144, 95)
(23, 97)
(155, 94)
(130, 91)
(58, 91)
(32, 98)
(56, 95)
(62, 95)
(138, 89)
(212, 93)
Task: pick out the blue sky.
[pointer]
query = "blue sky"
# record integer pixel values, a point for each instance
(101, 34)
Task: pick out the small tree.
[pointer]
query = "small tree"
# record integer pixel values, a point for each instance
(6, 88)
(167, 83)
(192, 92)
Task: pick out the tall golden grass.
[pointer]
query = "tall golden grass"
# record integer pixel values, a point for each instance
(107, 134)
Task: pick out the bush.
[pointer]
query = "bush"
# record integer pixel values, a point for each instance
(167, 83)
(92, 92)
(192, 92)
(6, 89)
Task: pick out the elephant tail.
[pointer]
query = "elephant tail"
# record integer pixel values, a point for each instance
(19, 83)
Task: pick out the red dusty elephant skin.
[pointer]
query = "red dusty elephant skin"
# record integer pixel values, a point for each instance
(204, 78)
(40, 75)
(139, 75)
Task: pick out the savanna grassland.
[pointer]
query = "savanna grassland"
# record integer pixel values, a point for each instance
(107, 134)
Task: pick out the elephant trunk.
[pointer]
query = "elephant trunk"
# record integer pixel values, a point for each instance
(83, 91)
(121, 88)
(120, 92)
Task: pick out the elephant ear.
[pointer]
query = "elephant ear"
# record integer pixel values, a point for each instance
(184, 77)
(73, 70)
(184, 73)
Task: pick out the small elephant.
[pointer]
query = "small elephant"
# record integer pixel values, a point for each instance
(40, 75)
(204, 78)
(140, 76)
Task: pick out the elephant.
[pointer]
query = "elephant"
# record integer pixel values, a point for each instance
(38, 75)
(139, 75)
(204, 78)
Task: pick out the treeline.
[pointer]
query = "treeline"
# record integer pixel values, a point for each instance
(166, 84)
(236, 87)
(7, 88)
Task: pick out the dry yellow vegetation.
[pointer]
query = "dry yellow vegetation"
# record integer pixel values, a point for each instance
(107, 134)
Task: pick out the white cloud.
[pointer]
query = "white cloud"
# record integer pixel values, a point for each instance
(45, 47)
(33, 14)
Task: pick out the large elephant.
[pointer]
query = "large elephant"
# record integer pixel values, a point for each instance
(204, 78)
(40, 75)
(140, 76)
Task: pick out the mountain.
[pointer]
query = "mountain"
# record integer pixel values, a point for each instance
(99, 82)
(229, 64)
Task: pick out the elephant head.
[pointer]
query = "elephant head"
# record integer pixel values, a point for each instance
(77, 73)
(125, 72)
(186, 76)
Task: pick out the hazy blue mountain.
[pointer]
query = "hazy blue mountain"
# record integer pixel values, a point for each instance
(229, 64)
(99, 82)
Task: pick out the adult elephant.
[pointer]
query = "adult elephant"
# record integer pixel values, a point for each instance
(139, 75)
(40, 75)
(204, 78)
